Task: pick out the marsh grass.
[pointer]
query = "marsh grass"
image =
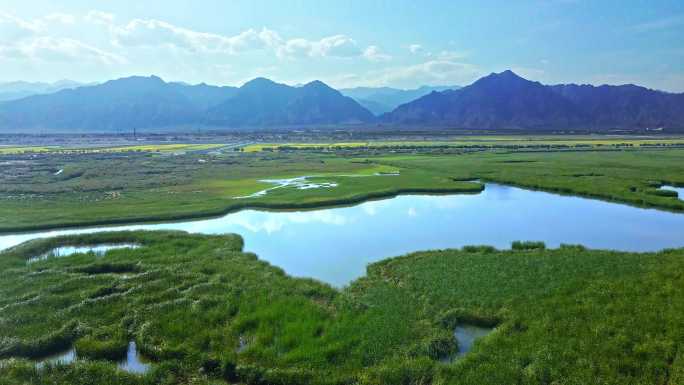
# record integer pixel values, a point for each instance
(527, 245)
(117, 188)
(192, 299)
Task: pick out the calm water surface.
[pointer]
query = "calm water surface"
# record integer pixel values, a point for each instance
(65, 251)
(679, 190)
(335, 245)
(132, 363)
(466, 335)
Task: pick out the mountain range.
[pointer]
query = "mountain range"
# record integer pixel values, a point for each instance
(507, 101)
(150, 103)
(262, 102)
(380, 100)
(21, 89)
(497, 101)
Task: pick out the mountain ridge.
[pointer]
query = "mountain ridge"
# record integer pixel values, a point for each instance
(380, 100)
(507, 101)
(497, 101)
(139, 102)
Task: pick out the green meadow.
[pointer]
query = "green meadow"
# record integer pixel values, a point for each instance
(129, 186)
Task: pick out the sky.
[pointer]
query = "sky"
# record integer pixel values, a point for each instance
(397, 43)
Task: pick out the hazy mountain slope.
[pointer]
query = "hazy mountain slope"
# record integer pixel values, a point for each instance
(262, 102)
(21, 89)
(122, 104)
(502, 100)
(507, 101)
(625, 106)
(384, 99)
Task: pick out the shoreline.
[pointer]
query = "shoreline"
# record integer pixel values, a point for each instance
(340, 202)
(332, 203)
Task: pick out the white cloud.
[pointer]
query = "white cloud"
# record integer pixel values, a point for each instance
(410, 76)
(660, 24)
(331, 46)
(338, 45)
(22, 39)
(451, 55)
(46, 48)
(13, 28)
(154, 33)
(430, 72)
(373, 53)
(63, 18)
(415, 48)
(530, 73)
(99, 17)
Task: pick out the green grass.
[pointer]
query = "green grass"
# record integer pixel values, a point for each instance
(562, 316)
(7, 150)
(486, 141)
(123, 187)
(120, 188)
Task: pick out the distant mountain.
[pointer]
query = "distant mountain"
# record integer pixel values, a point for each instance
(20, 89)
(262, 102)
(123, 104)
(625, 106)
(150, 103)
(507, 101)
(379, 100)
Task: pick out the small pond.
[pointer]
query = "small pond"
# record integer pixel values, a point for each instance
(466, 335)
(132, 363)
(679, 190)
(65, 251)
(65, 357)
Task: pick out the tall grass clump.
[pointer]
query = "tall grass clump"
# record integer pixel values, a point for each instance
(528, 245)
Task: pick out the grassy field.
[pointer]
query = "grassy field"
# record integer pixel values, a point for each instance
(173, 147)
(26, 149)
(121, 187)
(54, 189)
(207, 313)
(483, 141)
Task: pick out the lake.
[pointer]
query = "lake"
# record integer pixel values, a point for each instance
(334, 245)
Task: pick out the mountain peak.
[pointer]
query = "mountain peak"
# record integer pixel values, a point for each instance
(317, 84)
(258, 82)
(505, 75)
(152, 79)
(505, 79)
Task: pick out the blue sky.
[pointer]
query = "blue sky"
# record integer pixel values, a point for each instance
(345, 43)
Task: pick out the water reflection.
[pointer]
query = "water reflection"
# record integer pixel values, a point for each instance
(335, 245)
(65, 251)
(63, 358)
(132, 363)
(466, 335)
(679, 190)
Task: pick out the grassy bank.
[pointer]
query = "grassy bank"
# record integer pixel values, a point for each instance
(49, 190)
(208, 313)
